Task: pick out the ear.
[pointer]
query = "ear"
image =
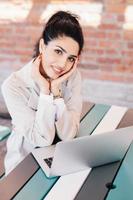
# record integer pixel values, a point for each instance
(41, 45)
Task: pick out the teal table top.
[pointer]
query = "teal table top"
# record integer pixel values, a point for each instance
(4, 132)
(123, 182)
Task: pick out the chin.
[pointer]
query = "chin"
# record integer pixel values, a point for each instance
(53, 76)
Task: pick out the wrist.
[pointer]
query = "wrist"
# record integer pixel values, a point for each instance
(55, 90)
(57, 94)
(44, 91)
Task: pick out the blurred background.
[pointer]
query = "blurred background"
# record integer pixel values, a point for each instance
(106, 63)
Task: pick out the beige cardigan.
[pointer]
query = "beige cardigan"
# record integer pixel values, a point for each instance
(35, 115)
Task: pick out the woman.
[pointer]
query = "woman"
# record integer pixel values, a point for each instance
(44, 97)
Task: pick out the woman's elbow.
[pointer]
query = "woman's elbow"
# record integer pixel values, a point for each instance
(50, 141)
(41, 141)
(66, 137)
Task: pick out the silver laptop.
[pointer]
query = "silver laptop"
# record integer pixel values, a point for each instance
(81, 153)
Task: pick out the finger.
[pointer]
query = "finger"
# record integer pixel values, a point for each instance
(72, 69)
(65, 76)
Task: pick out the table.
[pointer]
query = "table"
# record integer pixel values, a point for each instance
(27, 180)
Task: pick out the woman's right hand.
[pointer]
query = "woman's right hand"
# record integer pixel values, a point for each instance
(38, 78)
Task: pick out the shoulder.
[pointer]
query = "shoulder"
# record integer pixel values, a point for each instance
(18, 78)
(9, 82)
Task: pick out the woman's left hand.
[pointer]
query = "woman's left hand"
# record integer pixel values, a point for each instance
(55, 84)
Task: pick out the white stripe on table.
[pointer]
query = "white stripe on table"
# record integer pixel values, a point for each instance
(111, 120)
(68, 186)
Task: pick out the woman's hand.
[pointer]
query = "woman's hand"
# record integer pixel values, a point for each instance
(55, 84)
(43, 84)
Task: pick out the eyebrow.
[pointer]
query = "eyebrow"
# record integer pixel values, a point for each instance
(65, 51)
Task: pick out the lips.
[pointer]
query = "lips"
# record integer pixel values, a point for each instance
(57, 70)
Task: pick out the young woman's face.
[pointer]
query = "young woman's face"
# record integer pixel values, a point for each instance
(58, 56)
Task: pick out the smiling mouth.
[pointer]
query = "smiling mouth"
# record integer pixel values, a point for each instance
(57, 71)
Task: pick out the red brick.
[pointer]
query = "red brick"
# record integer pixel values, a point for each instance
(106, 67)
(114, 35)
(121, 18)
(128, 61)
(129, 78)
(108, 26)
(128, 53)
(130, 45)
(22, 52)
(128, 35)
(116, 8)
(109, 44)
(117, 1)
(90, 42)
(96, 34)
(121, 68)
(111, 52)
(93, 51)
(106, 60)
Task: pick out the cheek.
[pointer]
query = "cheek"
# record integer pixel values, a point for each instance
(48, 59)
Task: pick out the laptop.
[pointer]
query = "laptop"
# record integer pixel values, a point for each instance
(84, 152)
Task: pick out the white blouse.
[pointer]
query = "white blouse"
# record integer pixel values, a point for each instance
(35, 116)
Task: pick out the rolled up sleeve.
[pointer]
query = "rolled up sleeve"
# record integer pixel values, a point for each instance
(36, 126)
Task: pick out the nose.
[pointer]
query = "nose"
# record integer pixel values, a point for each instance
(62, 62)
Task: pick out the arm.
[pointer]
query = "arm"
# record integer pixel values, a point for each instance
(68, 113)
(36, 126)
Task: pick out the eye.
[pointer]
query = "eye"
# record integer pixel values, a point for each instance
(71, 59)
(58, 51)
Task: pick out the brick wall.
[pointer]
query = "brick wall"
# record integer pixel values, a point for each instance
(107, 27)
(109, 47)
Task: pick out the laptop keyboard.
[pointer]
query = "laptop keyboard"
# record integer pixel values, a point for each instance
(49, 161)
